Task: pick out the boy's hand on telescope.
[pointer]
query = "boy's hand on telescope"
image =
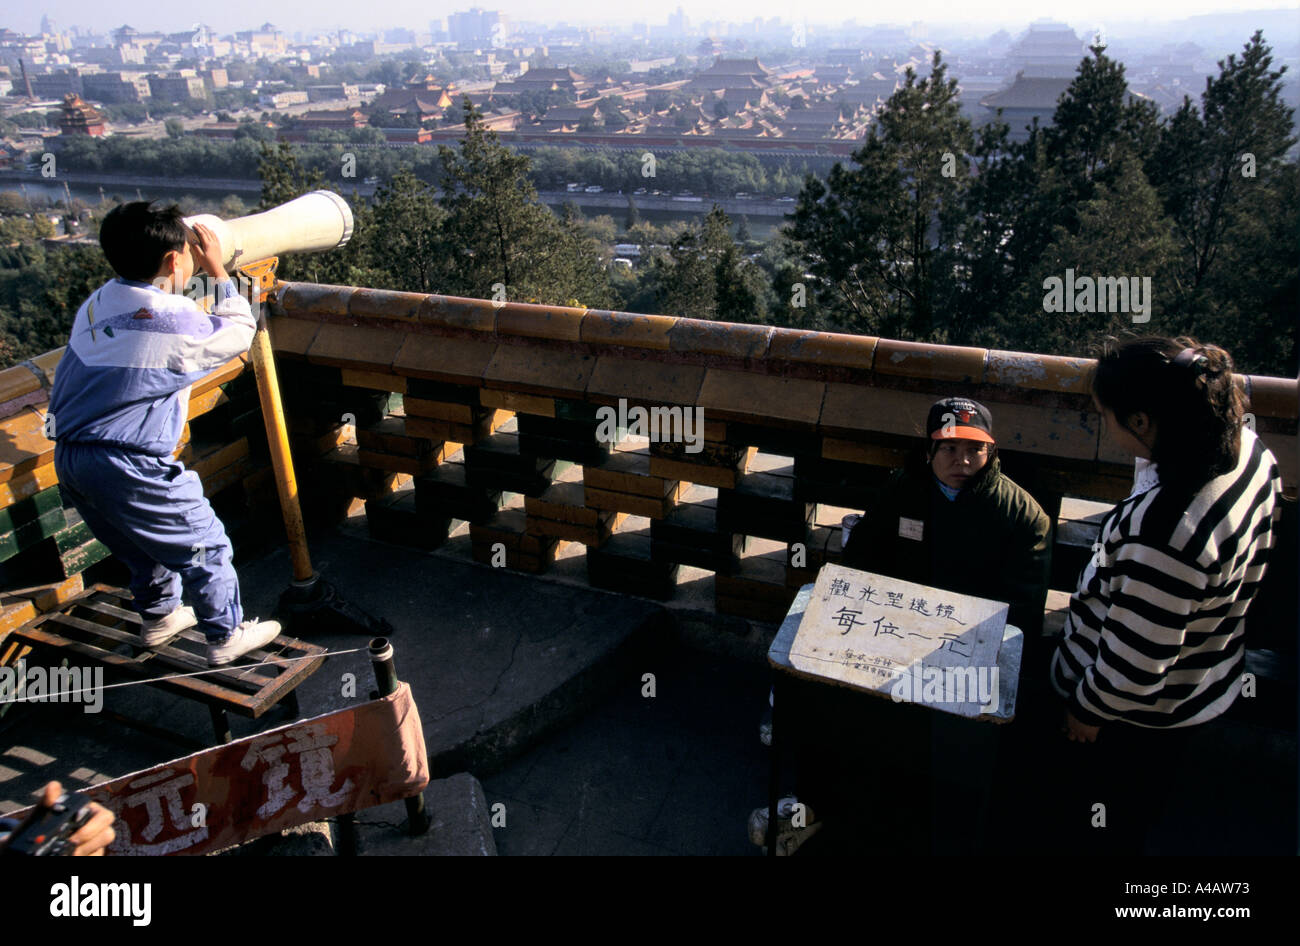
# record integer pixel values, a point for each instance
(208, 253)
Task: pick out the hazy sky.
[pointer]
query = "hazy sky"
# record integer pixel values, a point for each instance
(292, 15)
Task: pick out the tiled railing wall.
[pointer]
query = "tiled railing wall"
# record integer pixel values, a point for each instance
(494, 412)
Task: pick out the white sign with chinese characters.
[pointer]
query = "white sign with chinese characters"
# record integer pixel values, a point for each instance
(907, 641)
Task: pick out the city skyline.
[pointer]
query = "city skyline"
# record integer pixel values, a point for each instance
(934, 15)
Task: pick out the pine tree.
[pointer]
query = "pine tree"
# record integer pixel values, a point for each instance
(1121, 232)
(283, 179)
(998, 237)
(406, 213)
(1094, 126)
(870, 234)
(742, 230)
(1225, 181)
(498, 239)
(1208, 163)
(703, 275)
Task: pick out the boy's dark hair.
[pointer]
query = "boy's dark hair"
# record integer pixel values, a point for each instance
(1188, 391)
(135, 236)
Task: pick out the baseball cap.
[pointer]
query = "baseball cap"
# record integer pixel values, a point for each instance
(959, 418)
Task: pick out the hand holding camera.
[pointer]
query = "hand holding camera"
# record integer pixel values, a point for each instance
(62, 825)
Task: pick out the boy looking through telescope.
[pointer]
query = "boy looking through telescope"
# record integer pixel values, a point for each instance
(120, 398)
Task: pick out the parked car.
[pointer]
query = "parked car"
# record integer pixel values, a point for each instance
(594, 189)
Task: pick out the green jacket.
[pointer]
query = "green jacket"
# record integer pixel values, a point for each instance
(992, 541)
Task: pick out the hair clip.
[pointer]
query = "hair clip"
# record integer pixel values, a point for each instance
(1189, 356)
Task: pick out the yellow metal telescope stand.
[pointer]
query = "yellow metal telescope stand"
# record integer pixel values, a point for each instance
(309, 603)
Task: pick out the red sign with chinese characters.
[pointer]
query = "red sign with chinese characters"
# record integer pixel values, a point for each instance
(317, 768)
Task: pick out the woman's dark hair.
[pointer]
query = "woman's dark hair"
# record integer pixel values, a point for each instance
(136, 235)
(1188, 390)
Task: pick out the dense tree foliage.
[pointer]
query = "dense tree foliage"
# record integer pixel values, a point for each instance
(40, 292)
(710, 171)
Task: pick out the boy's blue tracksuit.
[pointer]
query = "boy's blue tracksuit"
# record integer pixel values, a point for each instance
(120, 398)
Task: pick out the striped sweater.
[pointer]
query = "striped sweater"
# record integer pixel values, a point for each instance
(1155, 631)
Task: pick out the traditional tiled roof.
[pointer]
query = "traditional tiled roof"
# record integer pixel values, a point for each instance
(1028, 92)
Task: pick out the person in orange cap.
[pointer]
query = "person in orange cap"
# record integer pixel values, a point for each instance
(951, 519)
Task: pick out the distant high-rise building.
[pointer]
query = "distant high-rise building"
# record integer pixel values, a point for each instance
(478, 27)
(55, 85)
(678, 23)
(178, 87)
(266, 40)
(114, 88)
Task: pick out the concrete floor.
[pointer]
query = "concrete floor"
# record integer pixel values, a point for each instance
(676, 773)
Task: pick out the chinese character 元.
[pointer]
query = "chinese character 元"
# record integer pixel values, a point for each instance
(168, 830)
(952, 641)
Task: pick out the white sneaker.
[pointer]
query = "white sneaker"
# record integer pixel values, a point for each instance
(248, 636)
(157, 632)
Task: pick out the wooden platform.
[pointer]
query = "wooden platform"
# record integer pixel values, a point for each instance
(99, 628)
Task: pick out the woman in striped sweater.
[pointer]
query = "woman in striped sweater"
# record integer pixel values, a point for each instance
(1154, 640)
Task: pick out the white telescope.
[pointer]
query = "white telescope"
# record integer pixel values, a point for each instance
(321, 220)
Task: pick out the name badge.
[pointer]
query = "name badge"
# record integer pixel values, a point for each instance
(910, 528)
